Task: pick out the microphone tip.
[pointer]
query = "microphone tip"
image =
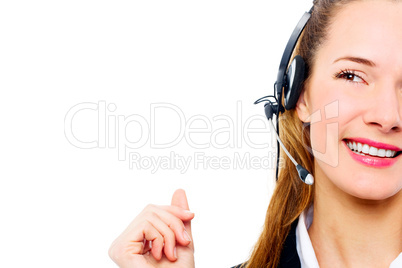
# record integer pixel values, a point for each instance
(304, 175)
(309, 179)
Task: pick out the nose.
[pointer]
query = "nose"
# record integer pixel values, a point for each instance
(385, 111)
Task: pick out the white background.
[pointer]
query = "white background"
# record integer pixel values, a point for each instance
(62, 206)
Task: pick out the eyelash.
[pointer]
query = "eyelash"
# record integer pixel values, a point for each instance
(343, 74)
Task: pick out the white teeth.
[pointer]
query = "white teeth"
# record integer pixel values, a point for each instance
(365, 149)
(373, 151)
(381, 153)
(350, 145)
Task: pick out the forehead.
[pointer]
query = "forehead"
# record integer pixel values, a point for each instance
(369, 28)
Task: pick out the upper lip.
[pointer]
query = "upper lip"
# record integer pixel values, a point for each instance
(376, 144)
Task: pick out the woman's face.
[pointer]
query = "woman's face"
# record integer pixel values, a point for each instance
(355, 96)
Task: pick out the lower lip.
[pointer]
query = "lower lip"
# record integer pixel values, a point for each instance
(371, 161)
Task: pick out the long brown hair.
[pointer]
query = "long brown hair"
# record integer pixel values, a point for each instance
(291, 196)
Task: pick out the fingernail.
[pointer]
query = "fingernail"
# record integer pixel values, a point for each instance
(186, 236)
(175, 252)
(188, 212)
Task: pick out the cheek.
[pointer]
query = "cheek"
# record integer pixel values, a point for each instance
(325, 123)
(337, 117)
(335, 110)
(325, 142)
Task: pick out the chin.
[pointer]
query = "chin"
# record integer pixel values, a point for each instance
(374, 195)
(363, 183)
(372, 187)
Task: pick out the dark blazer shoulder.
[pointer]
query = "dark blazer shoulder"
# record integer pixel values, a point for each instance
(289, 257)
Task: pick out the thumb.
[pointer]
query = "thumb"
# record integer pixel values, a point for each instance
(179, 199)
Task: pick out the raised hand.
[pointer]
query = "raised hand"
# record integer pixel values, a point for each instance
(160, 236)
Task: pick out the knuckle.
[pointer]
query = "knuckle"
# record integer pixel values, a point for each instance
(115, 252)
(169, 236)
(150, 214)
(176, 224)
(146, 226)
(149, 207)
(158, 241)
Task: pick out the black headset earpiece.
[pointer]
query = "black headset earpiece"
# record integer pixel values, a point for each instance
(294, 82)
(290, 80)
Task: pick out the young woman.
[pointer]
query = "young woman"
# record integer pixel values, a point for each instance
(346, 130)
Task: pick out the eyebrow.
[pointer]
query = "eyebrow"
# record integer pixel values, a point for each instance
(357, 60)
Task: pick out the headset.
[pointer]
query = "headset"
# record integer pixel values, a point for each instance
(289, 82)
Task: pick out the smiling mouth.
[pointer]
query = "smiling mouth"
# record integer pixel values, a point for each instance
(367, 150)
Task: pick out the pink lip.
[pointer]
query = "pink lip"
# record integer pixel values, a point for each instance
(376, 144)
(371, 161)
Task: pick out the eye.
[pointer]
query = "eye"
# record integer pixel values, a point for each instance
(351, 76)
